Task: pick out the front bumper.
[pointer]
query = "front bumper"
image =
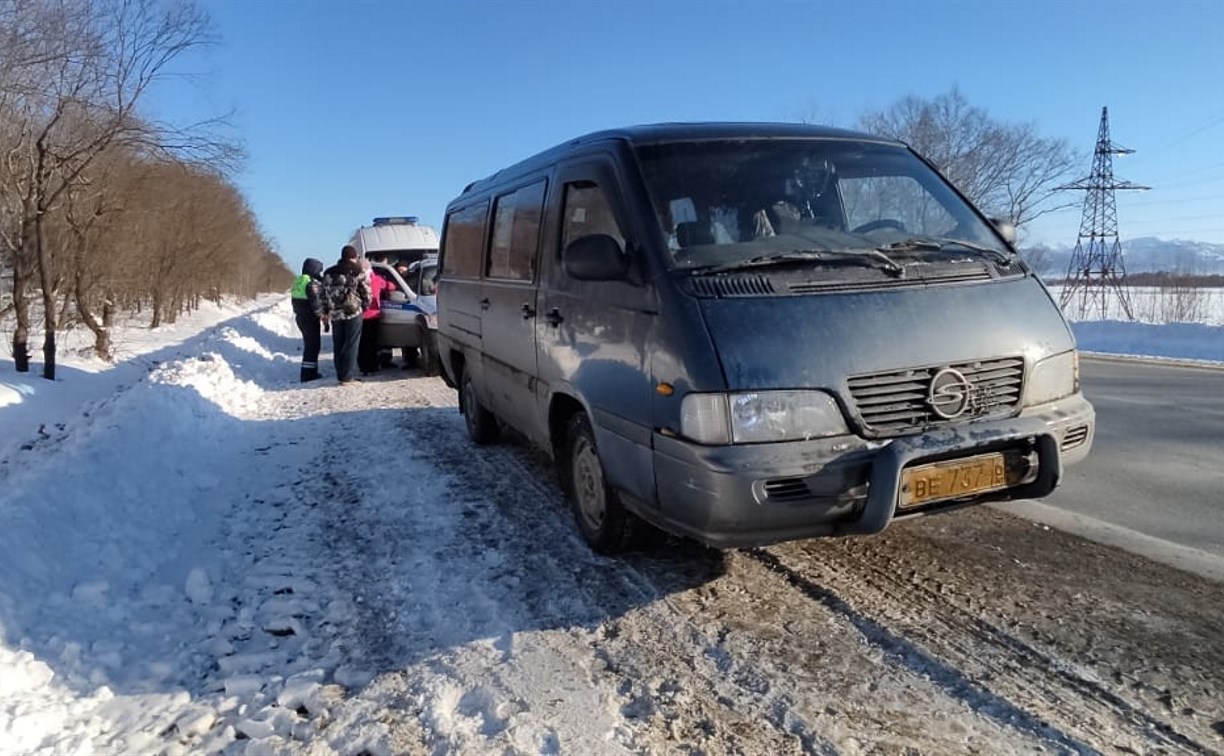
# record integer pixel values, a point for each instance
(729, 496)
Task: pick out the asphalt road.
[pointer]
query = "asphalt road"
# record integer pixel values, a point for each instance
(1157, 465)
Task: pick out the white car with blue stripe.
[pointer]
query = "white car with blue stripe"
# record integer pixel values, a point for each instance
(409, 312)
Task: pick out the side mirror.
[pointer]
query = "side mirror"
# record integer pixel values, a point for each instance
(1006, 229)
(397, 296)
(597, 257)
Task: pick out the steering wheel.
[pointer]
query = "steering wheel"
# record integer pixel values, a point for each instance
(878, 224)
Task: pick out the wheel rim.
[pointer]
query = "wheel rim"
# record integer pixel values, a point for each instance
(589, 490)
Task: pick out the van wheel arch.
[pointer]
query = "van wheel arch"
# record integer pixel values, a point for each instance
(560, 410)
(454, 360)
(601, 518)
(482, 426)
(428, 348)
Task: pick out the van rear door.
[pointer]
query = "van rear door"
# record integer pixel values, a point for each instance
(462, 261)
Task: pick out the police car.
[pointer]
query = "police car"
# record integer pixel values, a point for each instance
(409, 312)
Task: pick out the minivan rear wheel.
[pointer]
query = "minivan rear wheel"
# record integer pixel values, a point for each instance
(603, 522)
(481, 424)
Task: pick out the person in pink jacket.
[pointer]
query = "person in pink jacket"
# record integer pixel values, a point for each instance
(367, 352)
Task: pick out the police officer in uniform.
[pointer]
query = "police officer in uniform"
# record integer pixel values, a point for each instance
(308, 312)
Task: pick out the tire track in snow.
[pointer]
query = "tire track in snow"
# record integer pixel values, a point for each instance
(969, 657)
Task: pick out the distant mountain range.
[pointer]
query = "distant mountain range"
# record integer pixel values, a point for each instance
(1144, 254)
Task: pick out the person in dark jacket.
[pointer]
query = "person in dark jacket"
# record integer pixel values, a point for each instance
(346, 295)
(307, 299)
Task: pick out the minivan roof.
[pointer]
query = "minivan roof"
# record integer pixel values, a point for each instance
(674, 132)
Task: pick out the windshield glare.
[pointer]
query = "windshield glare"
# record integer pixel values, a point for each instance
(720, 202)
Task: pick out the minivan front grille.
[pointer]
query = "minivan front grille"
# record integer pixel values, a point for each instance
(734, 285)
(896, 402)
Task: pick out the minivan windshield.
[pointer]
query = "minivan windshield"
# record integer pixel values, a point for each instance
(723, 204)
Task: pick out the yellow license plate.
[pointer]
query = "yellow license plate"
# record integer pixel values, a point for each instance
(955, 478)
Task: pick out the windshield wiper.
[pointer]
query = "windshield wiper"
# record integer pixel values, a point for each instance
(940, 243)
(873, 258)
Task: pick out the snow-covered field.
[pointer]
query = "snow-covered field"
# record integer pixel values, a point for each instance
(1171, 324)
(199, 554)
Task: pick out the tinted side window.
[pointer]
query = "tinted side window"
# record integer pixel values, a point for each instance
(587, 211)
(516, 233)
(464, 234)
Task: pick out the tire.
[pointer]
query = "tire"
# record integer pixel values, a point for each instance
(481, 424)
(603, 522)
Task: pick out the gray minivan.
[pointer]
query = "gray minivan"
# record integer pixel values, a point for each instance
(749, 333)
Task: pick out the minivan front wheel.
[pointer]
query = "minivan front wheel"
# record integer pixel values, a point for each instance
(604, 523)
(481, 424)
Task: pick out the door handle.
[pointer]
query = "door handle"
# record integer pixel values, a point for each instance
(528, 311)
(553, 317)
(484, 303)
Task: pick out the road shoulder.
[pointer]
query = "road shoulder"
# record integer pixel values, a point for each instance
(1191, 560)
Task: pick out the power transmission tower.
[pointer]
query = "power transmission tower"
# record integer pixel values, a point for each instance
(1097, 272)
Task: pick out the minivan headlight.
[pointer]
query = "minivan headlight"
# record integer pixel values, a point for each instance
(760, 416)
(1053, 378)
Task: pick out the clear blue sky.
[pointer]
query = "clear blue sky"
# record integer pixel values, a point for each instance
(354, 109)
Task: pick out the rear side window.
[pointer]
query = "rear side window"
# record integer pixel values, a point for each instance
(587, 211)
(464, 235)
(516, 233)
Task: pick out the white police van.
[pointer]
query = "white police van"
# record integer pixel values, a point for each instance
(409, 317)
(409, 312)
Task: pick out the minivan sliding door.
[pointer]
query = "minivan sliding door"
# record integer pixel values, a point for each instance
(508, 296)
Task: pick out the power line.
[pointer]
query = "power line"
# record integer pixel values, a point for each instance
(1193, 182)
(1167, 218)
(1197, 169)
(1174, 201)
(1193, 131)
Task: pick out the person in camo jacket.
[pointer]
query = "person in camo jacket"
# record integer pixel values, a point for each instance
(346, 295)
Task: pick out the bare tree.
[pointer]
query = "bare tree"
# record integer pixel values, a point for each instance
(34, 38)
(164, 237)
(1008, 170)
(87, 102)
(92, 216)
